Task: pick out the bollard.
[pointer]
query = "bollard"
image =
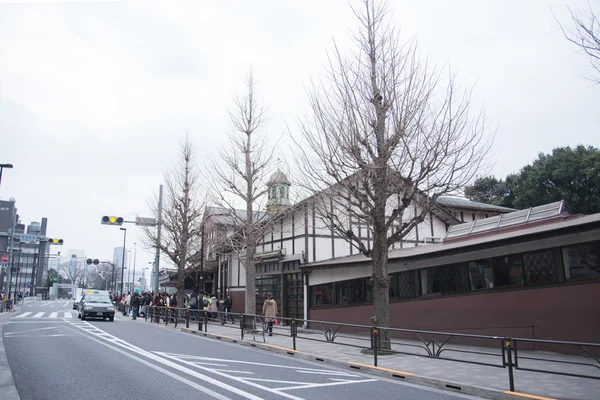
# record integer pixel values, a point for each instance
(166, 316)
(242, 324)
(199, 320)
(175, 316)
(511, 379)
(187, 319)
(205, 321)
(294, 331)
(375, 344)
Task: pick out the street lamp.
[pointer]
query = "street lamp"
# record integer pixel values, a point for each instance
(2, 166)
(134, 254)
(123, 262)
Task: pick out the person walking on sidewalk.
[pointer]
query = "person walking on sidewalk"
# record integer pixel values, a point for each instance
(270, 311)
(135, 306)
(227, 306)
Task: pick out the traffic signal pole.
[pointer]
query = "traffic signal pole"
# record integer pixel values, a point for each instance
(157, 259)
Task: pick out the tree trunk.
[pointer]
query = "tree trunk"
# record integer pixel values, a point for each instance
(180, 283)
(250, 238)
(381, 282)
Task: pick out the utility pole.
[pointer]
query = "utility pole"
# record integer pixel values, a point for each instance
(12, 243)
(134, 254)
(157, 260)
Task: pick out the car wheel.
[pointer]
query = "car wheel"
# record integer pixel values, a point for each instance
(78, 315)
(111, 319)
(83, 317)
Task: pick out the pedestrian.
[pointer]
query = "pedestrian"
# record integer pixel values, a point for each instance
(214, 306)
(227, 306)
(135, 306)
(270, 312)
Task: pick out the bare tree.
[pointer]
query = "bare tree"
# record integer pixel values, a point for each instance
(182, 215)
(585, 34)
(386, 136)
(72, 270)
(238, 177)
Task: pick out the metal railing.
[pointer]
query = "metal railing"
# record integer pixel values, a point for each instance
(498, 352)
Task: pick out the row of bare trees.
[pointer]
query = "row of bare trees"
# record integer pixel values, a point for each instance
(387, 134)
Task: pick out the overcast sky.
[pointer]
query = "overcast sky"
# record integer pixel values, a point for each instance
(95, 96)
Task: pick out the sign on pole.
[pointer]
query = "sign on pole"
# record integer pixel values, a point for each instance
(28, 238)
(140, 221)
(4, 258)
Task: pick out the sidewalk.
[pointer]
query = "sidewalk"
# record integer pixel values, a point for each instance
(7, 384)
(436, 372)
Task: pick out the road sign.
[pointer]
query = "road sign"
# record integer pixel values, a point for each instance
(4, 258)
(140, 221)
(28, 238)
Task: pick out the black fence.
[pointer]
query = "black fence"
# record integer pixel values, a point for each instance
(491, 351)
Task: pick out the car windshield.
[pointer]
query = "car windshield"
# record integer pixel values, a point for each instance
(97, 299)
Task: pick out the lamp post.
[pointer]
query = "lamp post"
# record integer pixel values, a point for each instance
(2, 166)
(134, 254)
(129, 271)
(123, 262)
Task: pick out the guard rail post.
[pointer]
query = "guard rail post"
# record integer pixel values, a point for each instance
(242, 325)
(375, 343)
(508, 344)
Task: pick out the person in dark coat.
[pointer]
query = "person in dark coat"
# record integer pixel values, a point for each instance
(227, 306)
(135, 305)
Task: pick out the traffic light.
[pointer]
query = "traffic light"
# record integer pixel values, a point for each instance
(111, 220)
(55, 241)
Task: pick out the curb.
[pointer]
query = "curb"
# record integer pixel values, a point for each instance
(409, 377)
(7, 383)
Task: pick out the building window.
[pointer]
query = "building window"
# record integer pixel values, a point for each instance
(402, 285)
(291, 265)
(508, 270)
(582, 260)
(480, 274)
(453, 278)
(431, 281)
(266, 284)
(351, 292)
(539, 268)
(322, 295)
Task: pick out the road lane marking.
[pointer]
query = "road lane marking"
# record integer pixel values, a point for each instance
(38, 315)
(53, 314)
(68, 315)
(23, 315)
(318, 385)
(29, 330)
(232, 371)
(170, 374)
(528, 396)
(235, 378)
(66, 304)
(47, 304)
(119, 342)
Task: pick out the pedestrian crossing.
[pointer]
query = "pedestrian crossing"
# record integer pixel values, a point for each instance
(54, 314)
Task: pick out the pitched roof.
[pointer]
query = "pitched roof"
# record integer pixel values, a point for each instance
(433, 249)
(224, 216)
(459, 202)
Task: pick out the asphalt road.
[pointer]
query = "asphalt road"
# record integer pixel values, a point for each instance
(54, 355)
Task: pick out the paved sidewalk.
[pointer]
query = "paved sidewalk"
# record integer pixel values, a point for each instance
(347, 349)
(8, 390)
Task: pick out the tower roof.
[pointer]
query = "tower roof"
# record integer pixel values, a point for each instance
(278, 177)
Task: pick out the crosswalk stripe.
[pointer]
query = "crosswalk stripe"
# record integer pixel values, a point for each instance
(23, 315)
(38, 315)
(53, 314)
(68, 315)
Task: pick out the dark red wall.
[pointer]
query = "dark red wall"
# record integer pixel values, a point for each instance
(239, 301)
(565, 312)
